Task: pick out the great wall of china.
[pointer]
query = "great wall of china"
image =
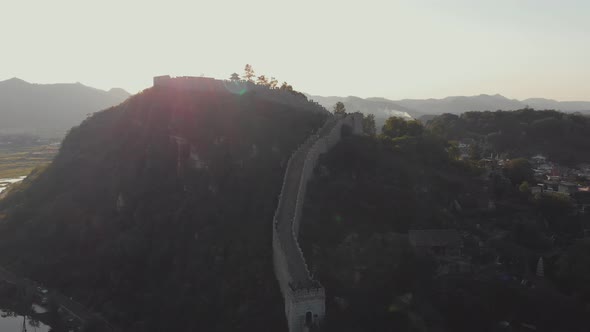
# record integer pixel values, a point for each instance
(304, 296)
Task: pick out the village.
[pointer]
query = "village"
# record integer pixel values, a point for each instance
(512, 241)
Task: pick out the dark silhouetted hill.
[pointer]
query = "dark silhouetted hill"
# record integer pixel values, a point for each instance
(153, 237)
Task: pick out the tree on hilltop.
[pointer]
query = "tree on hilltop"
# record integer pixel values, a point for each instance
(234, 77)
(339, 108)
(394, 126)
(262, 80)
(286, 87)
(248, 73)
(273, 83)
(414, 128)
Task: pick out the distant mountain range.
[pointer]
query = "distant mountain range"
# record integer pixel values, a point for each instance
(54, 108)
(424, 108)
(381, 107)
(50, 109)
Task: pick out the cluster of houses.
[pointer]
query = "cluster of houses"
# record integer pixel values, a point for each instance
(552, 177)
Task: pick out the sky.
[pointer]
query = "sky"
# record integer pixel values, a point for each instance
(389, 48)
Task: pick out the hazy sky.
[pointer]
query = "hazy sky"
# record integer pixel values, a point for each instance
(389, 48)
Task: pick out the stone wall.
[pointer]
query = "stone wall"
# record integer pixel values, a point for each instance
(304, 297)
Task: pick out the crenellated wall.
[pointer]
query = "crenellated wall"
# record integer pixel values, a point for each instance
(304, 297)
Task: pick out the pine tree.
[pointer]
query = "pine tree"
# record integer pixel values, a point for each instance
(339, 108)
(262, 80)
(248, 73)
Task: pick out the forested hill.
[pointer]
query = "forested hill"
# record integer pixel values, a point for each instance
(153, 241)
(50, 108)
(561, 136)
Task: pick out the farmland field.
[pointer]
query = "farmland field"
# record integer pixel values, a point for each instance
(19, 161)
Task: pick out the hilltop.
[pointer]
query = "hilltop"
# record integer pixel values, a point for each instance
(158, 212)
(50, 109)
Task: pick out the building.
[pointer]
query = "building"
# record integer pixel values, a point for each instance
(539, 159)
(567, 188)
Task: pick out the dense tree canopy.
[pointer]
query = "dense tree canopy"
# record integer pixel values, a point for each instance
(519, 170)
(564, 138)
(369, 127)
(574, 268)
(397, 127)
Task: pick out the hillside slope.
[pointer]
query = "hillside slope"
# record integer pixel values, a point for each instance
(50, 108)
(157, 236)
(369, 192)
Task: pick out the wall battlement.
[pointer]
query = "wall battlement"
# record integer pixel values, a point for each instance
(188, 83)
(304, 296)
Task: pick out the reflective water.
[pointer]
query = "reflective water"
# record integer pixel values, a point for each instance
(5, 182)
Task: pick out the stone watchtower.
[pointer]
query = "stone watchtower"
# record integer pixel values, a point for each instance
(306, 308)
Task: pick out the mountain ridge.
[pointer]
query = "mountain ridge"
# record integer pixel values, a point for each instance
(416, 108)
(51, 108)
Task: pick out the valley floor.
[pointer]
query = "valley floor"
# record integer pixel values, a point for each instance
(19, 161)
